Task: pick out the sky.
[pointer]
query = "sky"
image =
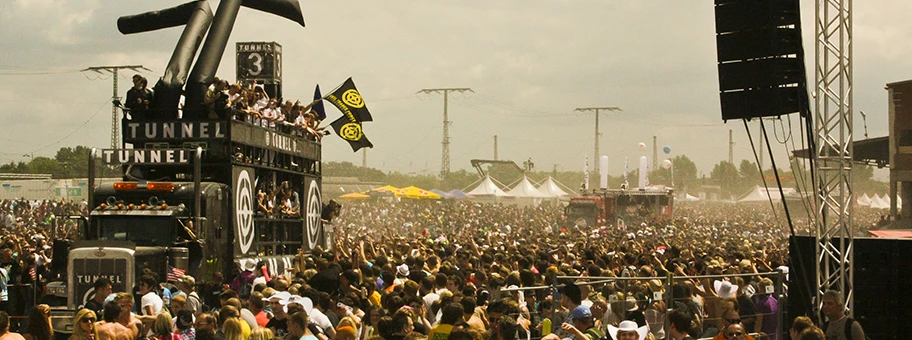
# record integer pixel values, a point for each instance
(530, 63)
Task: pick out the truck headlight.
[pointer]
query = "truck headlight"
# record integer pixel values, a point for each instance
(56, 288)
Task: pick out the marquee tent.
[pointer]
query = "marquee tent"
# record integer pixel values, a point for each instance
(550, 188)
(761, 194)
(487, 188)
(458, 194)
(864, 200)
(442, 193)
(879, 203)
(525, 189)
(690, 198)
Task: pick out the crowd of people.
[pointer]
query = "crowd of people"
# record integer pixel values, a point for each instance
(248, 103)
(456, 270)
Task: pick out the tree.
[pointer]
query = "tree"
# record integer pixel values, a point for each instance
(726, 176)
(685, 172)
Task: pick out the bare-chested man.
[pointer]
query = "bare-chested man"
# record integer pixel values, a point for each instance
(110, 329)
(5, 334)
(127, 318)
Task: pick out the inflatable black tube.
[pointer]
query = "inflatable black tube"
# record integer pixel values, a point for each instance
(288, 9)
(156, 20)
(169, 87)
(208, 61)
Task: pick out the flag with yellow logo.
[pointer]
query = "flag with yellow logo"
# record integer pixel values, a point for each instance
(348, 127)
(348, 100)
(351, 132)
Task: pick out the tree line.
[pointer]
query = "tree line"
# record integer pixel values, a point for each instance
(732, 181)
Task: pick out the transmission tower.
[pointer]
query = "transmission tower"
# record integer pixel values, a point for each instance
(833, 134)
(445, 158)
(597, 110)
(115, 99)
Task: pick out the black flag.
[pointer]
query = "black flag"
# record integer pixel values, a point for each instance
(318, 104)
(351, 132)
(349, 101)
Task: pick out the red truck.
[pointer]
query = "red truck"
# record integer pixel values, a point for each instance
(614, 206)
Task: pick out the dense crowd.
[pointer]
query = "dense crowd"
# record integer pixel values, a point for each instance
(247, 103)
(456, 270)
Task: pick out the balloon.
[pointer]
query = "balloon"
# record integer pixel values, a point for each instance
(667, 149)
(666, 163)
(641, 146)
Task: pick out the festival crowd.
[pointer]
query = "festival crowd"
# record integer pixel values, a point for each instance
(247, 103)
(454, 270)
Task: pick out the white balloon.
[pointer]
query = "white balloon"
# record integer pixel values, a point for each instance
(666, 164)
(641, 146)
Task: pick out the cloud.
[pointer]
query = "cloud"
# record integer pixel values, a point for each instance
(530, 63)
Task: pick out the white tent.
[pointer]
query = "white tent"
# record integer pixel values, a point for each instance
(879, 203)
(886, 198)
(760, 194)
(487, 188)
(864, 200)
(550, 188)
(690, 198)
(525, 189)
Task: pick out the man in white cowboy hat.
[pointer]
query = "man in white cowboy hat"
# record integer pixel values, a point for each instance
(402, 273)
(279, 322)
(628, 330)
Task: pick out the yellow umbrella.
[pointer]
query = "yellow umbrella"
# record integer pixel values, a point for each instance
(356, 196)
(389, 188)
(415, 192)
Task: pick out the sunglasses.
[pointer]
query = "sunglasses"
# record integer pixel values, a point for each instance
(88, 320)
(734, 334)
(733, 320)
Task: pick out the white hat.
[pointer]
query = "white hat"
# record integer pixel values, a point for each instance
(628, 326)
(296, 299)
(250, 265)
(725, 289)
(307, 303)
(283, 297)
(402, 270)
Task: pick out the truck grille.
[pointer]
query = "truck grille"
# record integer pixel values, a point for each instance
(86, 270)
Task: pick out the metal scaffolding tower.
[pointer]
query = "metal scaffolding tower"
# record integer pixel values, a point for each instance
(833, 131)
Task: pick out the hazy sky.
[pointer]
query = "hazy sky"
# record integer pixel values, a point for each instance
(530, 64)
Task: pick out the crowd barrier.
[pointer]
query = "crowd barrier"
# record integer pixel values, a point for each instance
(668, 281)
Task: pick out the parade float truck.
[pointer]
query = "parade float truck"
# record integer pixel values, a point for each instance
(192, 200)
(615, 207)
(202, 191)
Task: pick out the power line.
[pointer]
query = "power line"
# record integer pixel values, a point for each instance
(597, 110)
(115, 99)
(445, 157)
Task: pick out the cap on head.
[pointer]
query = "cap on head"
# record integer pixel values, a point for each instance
(581, 312)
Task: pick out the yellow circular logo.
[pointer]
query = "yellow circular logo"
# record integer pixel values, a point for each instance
(353, 99)
(351, 131)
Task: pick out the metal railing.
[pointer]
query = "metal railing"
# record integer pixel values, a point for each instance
(778, 278)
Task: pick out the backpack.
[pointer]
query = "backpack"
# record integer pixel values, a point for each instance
(595, 334)
(847, 328)
(245, 289)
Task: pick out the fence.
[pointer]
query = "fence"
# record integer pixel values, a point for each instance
(623, 285)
